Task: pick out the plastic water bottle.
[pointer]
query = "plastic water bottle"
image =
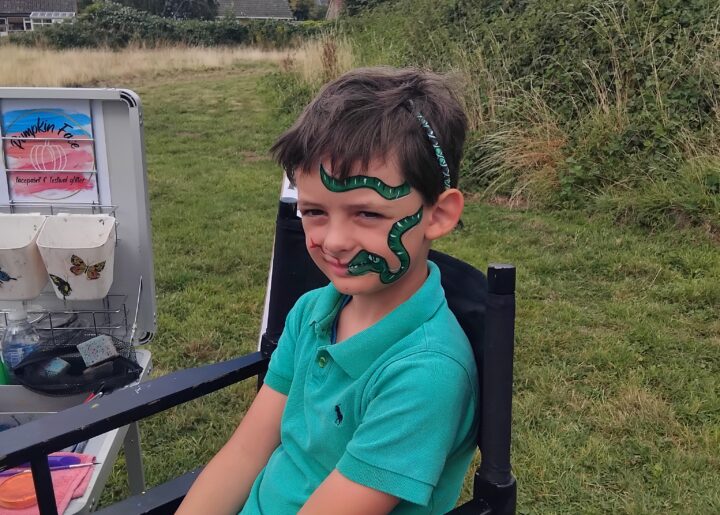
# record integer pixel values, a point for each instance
(19, 339)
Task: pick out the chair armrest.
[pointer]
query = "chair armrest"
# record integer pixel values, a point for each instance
(121, 407)
(162, 499)
(472, 507)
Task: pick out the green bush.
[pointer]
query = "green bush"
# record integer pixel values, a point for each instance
(292, 94)
(115, 26)
(620, 84)
(691, 198)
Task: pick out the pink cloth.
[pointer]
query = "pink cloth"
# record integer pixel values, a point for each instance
(68, 484)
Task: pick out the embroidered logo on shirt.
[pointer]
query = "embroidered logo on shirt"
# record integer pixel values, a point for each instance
(338, 415)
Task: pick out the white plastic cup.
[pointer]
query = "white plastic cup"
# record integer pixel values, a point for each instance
(22, 272)
(79, 255)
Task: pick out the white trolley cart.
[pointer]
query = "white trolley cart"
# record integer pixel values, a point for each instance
(77, 154)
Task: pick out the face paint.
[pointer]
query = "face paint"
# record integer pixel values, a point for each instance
(363, 181)
(364, 261)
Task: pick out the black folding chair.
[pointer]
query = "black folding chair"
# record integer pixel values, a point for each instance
(487, 316)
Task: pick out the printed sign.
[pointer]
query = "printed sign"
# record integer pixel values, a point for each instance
(49, 151)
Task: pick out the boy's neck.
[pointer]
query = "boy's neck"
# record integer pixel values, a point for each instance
(366, 310)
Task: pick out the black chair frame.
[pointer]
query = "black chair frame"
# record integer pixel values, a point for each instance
(293, 273)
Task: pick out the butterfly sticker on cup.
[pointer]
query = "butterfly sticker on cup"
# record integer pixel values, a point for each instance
(91, 271)
(62, 285)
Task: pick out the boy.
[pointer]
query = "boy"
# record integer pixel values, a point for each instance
(369, 402)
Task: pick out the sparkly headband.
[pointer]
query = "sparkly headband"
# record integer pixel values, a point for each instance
(435, 144)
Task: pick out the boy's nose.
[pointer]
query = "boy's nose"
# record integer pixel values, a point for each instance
(337, 240)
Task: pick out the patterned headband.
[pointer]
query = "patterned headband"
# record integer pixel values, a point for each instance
(435, 144)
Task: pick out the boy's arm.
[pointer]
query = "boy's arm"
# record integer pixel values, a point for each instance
(224, 484)
(337, 495)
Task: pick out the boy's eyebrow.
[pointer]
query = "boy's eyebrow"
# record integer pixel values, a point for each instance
(359, 206)
(308, 204)
(366, 206)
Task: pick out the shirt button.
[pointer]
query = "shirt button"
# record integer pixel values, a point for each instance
(322, 361)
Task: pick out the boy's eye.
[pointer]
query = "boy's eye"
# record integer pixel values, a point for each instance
(369, 214)
(312, 212)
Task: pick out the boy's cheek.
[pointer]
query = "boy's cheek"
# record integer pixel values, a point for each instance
(313, 237)
(310, 243)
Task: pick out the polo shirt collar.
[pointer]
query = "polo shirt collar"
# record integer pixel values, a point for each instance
(358, 352)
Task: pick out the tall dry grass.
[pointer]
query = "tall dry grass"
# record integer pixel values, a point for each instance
(515, 159)
(320, 60)
(20, 66)
(520, 147)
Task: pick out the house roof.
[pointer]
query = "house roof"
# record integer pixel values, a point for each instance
(28, 6)
(254, 8)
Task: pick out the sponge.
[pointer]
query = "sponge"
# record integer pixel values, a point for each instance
(55, 367)
(96, 350)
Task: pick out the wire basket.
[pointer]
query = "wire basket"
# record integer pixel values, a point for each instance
(57, 367)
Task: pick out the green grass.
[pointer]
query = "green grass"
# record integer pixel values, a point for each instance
(617, 373)
(616, 404)
(213, 197)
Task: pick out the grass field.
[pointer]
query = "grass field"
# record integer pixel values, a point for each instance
(23, 66)
(617, 374)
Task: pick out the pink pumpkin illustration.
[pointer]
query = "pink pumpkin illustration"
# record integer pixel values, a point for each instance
(48, 157)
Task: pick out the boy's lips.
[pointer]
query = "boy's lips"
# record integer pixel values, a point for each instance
(337, 265)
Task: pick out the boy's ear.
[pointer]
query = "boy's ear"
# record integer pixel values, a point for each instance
(444, 214)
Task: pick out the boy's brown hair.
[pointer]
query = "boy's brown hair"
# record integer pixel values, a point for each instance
(372, 112)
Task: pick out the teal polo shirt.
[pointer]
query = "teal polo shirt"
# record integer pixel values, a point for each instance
(392, 407)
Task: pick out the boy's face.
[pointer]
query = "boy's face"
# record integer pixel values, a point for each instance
(365, 232)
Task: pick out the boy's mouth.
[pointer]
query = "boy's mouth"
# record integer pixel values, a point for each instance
(333, 261)
(337, 265)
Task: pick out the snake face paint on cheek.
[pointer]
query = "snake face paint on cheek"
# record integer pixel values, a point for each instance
(364, 261)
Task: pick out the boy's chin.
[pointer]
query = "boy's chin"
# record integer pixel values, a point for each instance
(357, 285)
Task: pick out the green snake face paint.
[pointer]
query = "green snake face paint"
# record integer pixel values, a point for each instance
(364, 261)
(363, 181)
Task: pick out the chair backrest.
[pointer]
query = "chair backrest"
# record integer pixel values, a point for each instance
(466, 293)
(293, 272)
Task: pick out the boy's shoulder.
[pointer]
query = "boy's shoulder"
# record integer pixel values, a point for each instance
(435, 336)
(439, 338)
(422, 328)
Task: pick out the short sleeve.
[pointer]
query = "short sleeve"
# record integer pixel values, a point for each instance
(282, 362)
(420, 411)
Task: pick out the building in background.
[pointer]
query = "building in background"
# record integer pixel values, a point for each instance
(24, 15)
(255, 9)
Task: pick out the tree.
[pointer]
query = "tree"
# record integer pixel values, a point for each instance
(354, 7)
(301, 8)
(182, 9)
(151, 6)
(82, 4)
(307, 9)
